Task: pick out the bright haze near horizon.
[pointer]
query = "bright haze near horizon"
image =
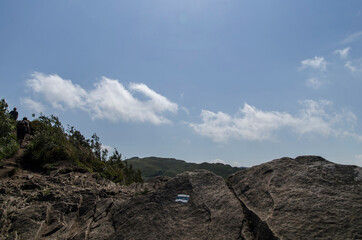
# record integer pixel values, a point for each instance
(231, 81)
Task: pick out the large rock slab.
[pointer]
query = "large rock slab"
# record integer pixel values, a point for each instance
(213, 212)
(71, 205)
(302, 198)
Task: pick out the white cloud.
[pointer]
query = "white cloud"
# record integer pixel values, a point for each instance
(218, 161)
(315, 63)
(59, 92)
(314, 118)
(359, 156)
(32, 105)
(254, 124)
(108, 100)
(108, 148)
(157, 102)
(353, 37)
(343, 53)
(236, 164)
(350, 67)
(314, 83)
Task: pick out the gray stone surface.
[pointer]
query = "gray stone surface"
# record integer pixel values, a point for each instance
(80, 206)
(304, 198)
(207, 215)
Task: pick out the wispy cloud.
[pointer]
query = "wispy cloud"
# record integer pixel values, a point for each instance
(316, 63)
(57, 91)
(218, 161)
(343, 53)
(32, 105)
(350, 67)
(314, 83)
(108, 100)
(237, 164)
(353, 135)
(157, 102)
(255, 124)
(352, 37)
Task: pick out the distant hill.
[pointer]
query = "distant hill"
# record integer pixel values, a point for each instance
(154, 166)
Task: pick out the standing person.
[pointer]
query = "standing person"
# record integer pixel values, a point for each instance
(22, 128)
(14, 114)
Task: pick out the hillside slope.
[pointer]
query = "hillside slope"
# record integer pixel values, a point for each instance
(154, 166)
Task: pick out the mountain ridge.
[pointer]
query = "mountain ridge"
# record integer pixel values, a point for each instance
(156, 166)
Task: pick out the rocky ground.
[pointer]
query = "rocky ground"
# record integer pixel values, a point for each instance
(302, 198)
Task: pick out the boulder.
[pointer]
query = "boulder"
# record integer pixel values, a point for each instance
(303, 198)
(212, 211)
(60, 206)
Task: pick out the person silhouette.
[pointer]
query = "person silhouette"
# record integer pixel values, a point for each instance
(22, 128)
(14, 114)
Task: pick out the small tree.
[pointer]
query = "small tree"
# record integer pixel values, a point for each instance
(96, 146)
(76, 138)
(116, 157)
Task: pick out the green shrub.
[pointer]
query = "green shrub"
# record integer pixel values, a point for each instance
(52, 144)
(49, 143)
(8, 141)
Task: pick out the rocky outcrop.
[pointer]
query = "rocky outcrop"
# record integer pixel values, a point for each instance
(73, 205)
(303, 198)
(207, 215)
(58, 206)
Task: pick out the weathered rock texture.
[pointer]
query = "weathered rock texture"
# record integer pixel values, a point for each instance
(213, 212)
(72, 205)
(302, 198)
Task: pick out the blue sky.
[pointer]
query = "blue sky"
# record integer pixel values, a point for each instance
(239, 82)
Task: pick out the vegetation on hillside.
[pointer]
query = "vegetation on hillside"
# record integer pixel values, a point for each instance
(51, 146)
(153, 166)
(8, 142)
